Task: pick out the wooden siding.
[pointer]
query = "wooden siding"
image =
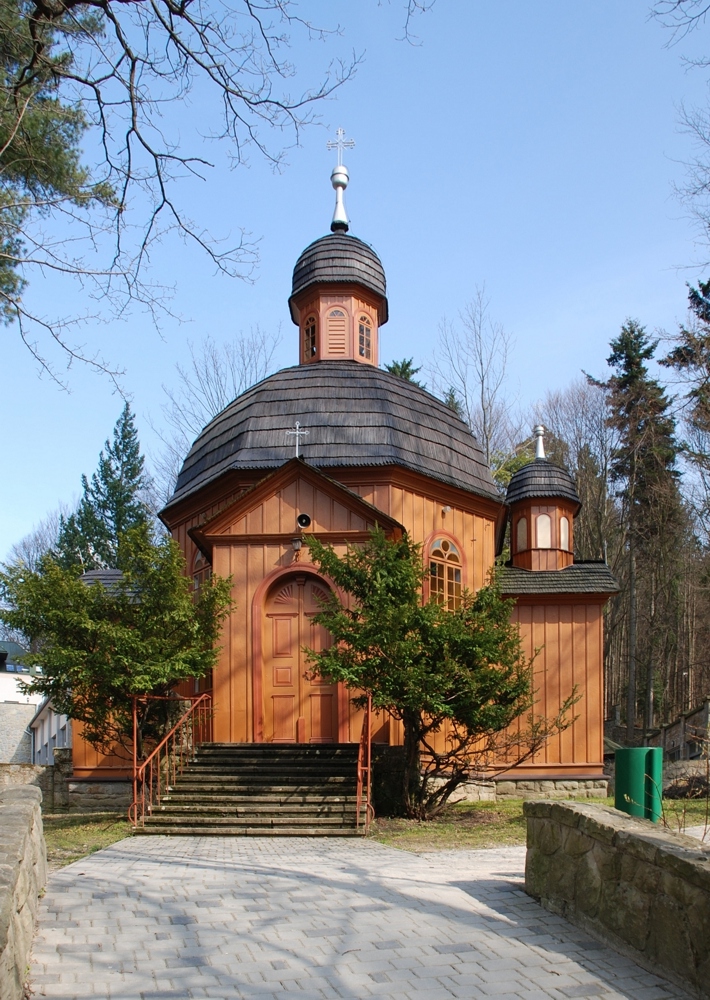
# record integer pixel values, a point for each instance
(90, 764)
(253, 547)
(568, 638)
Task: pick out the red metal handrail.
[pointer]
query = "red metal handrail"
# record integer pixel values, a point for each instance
(364, 769)
(153, 777)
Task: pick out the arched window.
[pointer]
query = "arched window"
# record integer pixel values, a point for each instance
(521, 534)
(336, 325)
(201, 572)
(544, 531)
(445, 574)
(564, 534)
(365, 337)
(309, 338)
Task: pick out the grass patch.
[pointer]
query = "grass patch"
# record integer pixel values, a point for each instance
(477, 825)
(469, 825)
(679, 813)
(71, 836)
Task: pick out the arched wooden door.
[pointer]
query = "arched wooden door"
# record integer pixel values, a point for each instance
(296, 709)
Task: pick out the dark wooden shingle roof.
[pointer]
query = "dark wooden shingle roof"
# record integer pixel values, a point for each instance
(339, 258)
(541, 479)
(355, 415)
(579, 578)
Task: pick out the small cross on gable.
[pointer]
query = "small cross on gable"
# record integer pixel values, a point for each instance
(298, 433)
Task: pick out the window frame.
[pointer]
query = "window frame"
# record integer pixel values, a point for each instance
(452, 592)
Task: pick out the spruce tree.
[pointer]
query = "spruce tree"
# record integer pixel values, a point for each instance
(405, 369)
(643, 467)
(111, 503)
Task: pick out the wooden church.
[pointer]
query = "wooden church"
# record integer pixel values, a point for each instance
(333, 446)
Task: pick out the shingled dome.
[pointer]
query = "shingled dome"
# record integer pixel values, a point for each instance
(355, 415)
(540, 480)
(339, 258)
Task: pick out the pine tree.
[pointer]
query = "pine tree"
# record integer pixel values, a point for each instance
(111, 503)
(405, 369)
(643, 467)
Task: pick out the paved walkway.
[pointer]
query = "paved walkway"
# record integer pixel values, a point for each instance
(170, 918)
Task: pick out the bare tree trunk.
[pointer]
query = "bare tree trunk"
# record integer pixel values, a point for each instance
(650, 671)
(631, 691)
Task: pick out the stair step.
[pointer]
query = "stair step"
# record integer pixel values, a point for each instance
(338, 787)
(199, 819)
(262, 790)
(246, 831)
(259, 809)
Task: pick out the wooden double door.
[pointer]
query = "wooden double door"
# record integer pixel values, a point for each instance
(297, 708)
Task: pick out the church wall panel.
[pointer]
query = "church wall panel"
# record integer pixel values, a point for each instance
(569, 637)
(341, 517)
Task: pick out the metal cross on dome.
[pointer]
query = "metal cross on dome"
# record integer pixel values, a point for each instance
(340, 144)
(298, 433)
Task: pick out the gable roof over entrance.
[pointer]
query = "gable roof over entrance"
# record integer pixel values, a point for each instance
(271, 507)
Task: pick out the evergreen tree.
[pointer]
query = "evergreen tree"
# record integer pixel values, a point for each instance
(643, 469)
(459, 671)
(405, 369)
(111, 503)
(99, 646)
(453, 402)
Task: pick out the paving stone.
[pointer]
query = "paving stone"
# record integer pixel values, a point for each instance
(157, 918)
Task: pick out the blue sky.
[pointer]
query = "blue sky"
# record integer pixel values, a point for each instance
(533, 147)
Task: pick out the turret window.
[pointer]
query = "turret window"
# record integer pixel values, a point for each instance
(365, 337)
(521, 534)
(544, 531)
(445, 574)
(310, 346)
(564, 534)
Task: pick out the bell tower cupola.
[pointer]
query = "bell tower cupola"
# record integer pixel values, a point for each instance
(543, 504)
(339, 294)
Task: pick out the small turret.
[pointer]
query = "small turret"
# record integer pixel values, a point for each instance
(338, 298)
(543, 504)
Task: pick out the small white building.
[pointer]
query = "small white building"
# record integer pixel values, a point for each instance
(50, 731)
(16, 706)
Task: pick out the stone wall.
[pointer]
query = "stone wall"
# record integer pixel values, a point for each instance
(41, 777)
(15, 740)
(23, 872)
(527, 788)
(640, 887)
(60, 791)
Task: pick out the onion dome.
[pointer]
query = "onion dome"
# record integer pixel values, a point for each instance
(339, 259)
(356, 416)
(540, 480)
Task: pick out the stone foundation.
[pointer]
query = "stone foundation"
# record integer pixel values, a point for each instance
(23, 873)
(99, 796)
(640, 887)
(527, 788)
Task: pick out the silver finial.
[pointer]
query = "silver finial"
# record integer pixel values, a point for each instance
(539, 433)
(339, 179)
(298, 433)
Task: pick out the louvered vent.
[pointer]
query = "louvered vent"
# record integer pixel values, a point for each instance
(337, 324)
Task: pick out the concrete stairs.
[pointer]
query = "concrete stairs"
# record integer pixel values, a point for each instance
(262, 789)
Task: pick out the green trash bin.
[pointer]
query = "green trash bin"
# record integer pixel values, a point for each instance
(638, 785)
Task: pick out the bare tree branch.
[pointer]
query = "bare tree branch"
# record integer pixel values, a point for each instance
(472, 362)
(216, 374)
(114, 67)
